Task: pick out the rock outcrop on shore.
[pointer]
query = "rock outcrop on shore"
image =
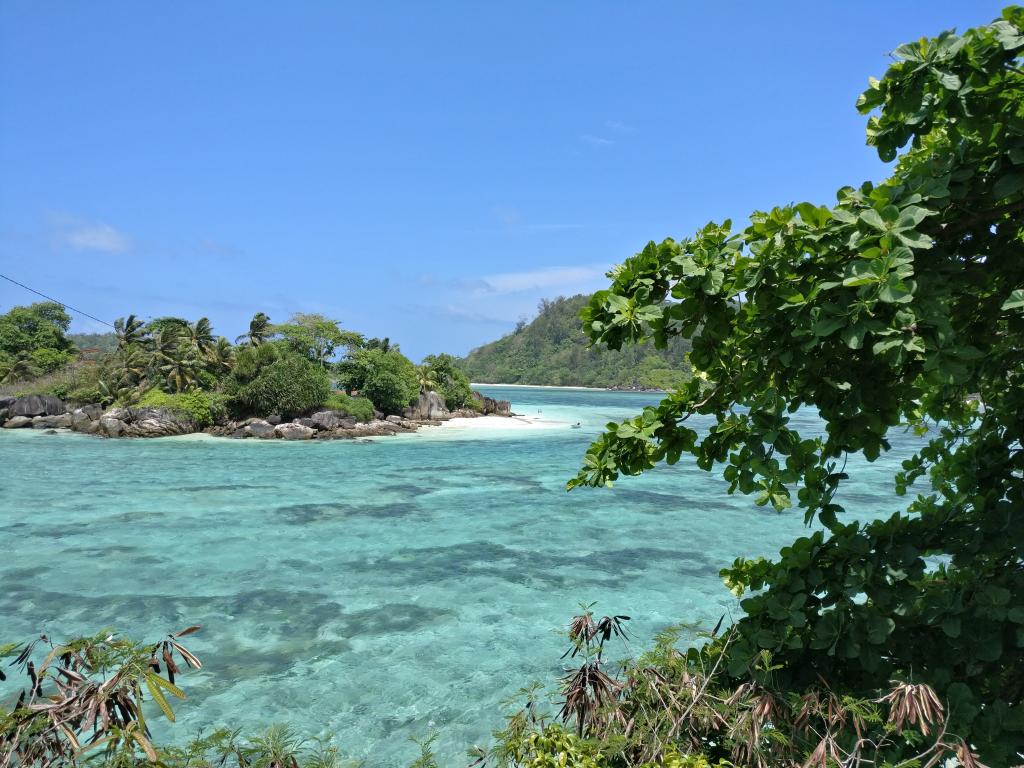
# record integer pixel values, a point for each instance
(323, 425)
(51, 413)
(429, 406)
(492, 407)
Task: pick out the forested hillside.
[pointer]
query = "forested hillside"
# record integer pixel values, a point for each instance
(101, 343)
(552, 350)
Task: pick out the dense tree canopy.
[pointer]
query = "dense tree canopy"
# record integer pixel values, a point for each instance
(316, 337)
(181, 364)
(388, 378)
(289, 386)
(900, 305)
(552, 350)
(33, 340)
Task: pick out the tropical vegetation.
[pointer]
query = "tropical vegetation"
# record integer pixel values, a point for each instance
(287, 369)
(553, 350)
(897, 641)
(34, 341)
(94, 344)
(901, 306)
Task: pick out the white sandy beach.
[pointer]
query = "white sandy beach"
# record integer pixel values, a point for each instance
(580, 389)
(542, 386)
(498, 423)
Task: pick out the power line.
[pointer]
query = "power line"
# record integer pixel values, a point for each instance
(50, 298)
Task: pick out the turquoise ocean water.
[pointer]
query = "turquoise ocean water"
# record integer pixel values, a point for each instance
(381, 590)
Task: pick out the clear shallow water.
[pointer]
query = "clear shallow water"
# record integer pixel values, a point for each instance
(373, 591)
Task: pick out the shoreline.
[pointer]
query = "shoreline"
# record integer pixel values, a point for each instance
(476, 426)
(582, 388)
(493, 423)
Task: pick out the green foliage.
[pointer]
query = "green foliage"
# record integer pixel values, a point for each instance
(387, 377)
(452, 382)
(672, 758)
(278, 747)
(898, 306)
(203, 408)
(260, 330)
(684, 709)
(553, 350)
(554, 747)
(84, 394)
(170, 353)
(175, 326)
(359, 408)
(46, 360)
(289, 386)
(316, 337)
(252, 359)
(67, 383)
(83, 700)
(103, 343)
(426, 757)
(33, 341)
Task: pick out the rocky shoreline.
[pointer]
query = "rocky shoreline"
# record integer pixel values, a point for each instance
(52, 413)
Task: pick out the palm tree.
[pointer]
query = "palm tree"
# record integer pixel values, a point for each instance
(382, 344)
(15, 371)
(179, 369)
(113, 391)
(428, 379)
(200, 336)
(129, 331)
(125, 375)
(220, 357)
(259, 330)
(131, 364)
(174, 359)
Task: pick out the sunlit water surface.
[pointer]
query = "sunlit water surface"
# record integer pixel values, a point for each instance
(373, 591)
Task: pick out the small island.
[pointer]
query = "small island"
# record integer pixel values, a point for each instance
(305, 379)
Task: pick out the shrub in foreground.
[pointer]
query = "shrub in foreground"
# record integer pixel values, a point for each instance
(289, 386)
(359, 408)
(390, 380)
(203, 408)
(901, 306)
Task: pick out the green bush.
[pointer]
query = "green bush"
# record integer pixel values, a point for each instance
(60, 383)
(251, 360)
(359, 408)
(203, 408)
(38, 329)
(290, 386)
(46, 360)
(553, 747)
(85, 395)
(388, 378)
(453, 384)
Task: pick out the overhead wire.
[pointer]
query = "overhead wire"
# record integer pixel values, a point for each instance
(57, 301)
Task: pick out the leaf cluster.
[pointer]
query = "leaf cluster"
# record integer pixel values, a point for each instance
(901, 306)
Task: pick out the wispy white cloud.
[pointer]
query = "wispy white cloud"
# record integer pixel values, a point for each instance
(455, 312)
(93, 236)
(475, 309)
(617, 127)
(510, 217)
(596, 141)
(545, 279)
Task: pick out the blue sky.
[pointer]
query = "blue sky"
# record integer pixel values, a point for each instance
(424, 171)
